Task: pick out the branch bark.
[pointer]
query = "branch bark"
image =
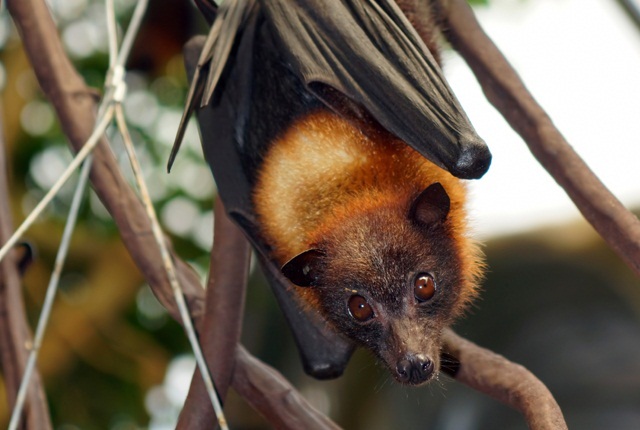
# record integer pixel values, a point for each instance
(270, 393)
(504, 89)
(14, 330)
(506, 381)
(221, 324)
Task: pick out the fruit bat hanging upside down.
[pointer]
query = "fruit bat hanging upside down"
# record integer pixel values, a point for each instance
(339, 148)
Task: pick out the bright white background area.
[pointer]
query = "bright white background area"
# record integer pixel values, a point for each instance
(581, 61)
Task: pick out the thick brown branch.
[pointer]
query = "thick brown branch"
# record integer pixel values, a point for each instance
(14, 330)
(506, 381)
(222, 322)
(504, 89)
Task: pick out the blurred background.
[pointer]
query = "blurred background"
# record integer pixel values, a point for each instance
(556, 298)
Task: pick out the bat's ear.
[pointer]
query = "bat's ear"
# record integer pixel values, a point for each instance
(304, 268)
(431, 206)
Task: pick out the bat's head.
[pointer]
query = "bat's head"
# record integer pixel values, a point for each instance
(391, 279)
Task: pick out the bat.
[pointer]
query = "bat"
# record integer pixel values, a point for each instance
(273, 76)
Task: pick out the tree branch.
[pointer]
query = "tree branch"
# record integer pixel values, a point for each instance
(272, 395)
(504, 89)
(221, 325)
(506, 381)
(14, 330)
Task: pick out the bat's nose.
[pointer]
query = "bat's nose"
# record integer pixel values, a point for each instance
(414, 369)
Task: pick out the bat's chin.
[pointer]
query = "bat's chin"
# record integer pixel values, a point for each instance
(417, 381)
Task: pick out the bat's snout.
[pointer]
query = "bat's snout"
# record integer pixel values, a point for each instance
(414, 369)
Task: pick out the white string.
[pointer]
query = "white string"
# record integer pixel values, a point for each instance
(112, 34)
(170, 269)
(75, 163)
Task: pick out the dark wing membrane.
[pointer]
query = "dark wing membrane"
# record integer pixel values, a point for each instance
(232, 15)
(368, 51)
(324, 352)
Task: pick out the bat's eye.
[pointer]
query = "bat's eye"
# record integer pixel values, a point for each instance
(359, 308)
(424, 287)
